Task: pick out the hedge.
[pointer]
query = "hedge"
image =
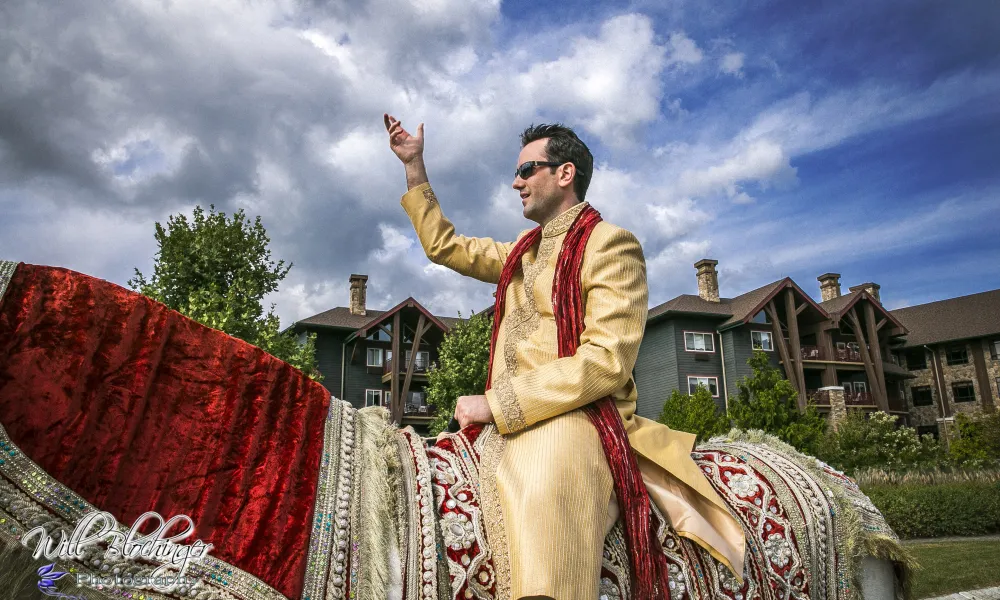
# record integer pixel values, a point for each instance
(944, 509)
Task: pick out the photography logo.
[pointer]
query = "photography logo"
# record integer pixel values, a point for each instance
(159, 561)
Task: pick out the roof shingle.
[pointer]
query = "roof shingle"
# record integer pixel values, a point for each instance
(965, 317)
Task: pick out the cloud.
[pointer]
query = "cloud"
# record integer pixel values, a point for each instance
(683, 50)
(732, 64)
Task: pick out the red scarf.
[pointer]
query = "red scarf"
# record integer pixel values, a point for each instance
(648, 566)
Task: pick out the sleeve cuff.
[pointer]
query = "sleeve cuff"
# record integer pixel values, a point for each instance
(497, 410)
(417, 194)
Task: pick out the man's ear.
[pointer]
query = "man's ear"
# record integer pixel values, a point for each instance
(566, 173)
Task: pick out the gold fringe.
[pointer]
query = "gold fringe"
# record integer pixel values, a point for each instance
(856, 540)
(376, 517)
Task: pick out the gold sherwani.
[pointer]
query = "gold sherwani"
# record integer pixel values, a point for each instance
(543, 467)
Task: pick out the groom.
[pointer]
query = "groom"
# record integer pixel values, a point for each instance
(568, 454)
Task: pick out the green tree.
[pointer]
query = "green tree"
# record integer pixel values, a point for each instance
(875, 441)
(217, 270)
(767, 401)
(695, 413)
(463, 360)
(977, 440)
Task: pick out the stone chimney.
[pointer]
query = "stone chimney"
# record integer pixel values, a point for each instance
(359, 288)
(871, 288)
(829, 286)
(708, 279)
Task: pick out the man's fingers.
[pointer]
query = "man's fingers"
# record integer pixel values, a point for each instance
(386, 119)
(420, 131)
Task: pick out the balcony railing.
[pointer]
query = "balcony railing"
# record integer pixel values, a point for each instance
(839, 354)
(414, 410)
(421, 366)
(822, 398)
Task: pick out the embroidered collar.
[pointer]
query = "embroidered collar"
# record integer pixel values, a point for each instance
(561, 223)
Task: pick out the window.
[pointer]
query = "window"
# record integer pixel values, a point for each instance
(922, 396)
(699, 342)
(373, 397)
(761, 340)
(928, 430)
(374, 357)
(761, 318)
(964, 391)
(422, 362)
(958, 355)
(860, 386)
(995, 349)
(710, 383)
(379, 335)
(916, 360)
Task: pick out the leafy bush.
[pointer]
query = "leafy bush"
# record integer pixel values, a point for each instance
(767, 401)
(866, 441)
(946, 509)
(696, 414)
(463, 360)
(977, 444)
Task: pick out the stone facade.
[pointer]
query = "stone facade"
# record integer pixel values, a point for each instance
(708, 279)
(359, 291)
(930, 415)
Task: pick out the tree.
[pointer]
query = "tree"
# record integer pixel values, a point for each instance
(696, 414)
(767, 401)
(217, 270)
(977, 440)
(874, 441)
(461, 369)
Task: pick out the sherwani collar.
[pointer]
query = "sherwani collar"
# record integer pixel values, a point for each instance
(562, 223)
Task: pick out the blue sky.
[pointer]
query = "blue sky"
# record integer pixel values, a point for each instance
(780, 138)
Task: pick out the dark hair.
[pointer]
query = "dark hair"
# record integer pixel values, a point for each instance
(564, 147)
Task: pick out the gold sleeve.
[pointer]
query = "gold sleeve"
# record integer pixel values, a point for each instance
(615, 299)
(480, 258)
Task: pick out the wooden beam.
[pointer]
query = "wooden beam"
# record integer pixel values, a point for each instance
(395, 403)
(772, 314)
(793, 337)
(825, 342)
(982, 376)
(855, 325)
(881, 324)
(876, 349)
(413, 360)
(385, 329)
(801, 308)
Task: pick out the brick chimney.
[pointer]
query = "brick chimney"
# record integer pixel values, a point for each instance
(871, 288)
(829, 286)
(708, 279)
(359, 288)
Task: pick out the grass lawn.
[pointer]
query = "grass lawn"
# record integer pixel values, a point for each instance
(950, 567)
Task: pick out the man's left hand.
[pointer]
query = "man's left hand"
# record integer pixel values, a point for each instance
(472, 409)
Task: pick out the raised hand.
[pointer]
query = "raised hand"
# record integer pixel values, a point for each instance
(408, 148)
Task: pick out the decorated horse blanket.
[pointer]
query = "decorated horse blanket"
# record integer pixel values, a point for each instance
(114, 407)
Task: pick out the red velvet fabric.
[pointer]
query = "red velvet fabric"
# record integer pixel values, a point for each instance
(138, 408)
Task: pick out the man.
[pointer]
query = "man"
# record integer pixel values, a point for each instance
(546, 486)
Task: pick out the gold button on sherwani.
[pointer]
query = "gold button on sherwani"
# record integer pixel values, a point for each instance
(546, 489)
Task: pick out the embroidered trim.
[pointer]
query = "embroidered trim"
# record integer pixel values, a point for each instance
(27, 491)
(321, 540)
(424, 497)
(429, 195)
(491, 445)
(562, 223)
(519, 325)
(7, 269)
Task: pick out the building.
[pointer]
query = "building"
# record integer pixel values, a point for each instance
(837, 353)
(356, 347)
(952, 350)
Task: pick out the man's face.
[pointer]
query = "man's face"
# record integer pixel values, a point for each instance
(540, 193)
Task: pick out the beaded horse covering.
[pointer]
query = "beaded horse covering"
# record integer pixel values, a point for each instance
(799, 516)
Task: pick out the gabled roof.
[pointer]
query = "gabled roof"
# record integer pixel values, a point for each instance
(965, 317)
(734, 311)
(408, 303)
(341, 318)
(839, 306)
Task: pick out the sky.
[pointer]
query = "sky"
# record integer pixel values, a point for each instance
(781, 138)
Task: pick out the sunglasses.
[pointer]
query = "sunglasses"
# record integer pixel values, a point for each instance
(527, 169)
